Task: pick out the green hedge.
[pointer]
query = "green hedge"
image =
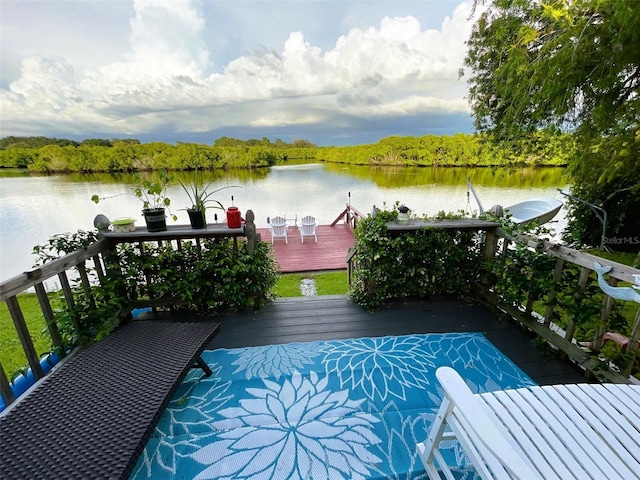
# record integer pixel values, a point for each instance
(411, 264)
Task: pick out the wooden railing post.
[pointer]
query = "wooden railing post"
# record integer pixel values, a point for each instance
(582, 284)
(632, 346)
(5, 389)
(489, 249)
(23, 334)
(250, 231)
(605, 312)
(490, 244)
(553, 294)
(45, 306)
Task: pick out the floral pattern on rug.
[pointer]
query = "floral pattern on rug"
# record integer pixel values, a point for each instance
(351, 409)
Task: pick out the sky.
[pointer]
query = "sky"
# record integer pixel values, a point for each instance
(330, 72)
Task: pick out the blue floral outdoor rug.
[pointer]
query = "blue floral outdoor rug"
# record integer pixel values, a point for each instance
(351, 409)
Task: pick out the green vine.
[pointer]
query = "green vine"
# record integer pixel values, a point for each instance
(213, 278)
(522, 274)
(411, 264)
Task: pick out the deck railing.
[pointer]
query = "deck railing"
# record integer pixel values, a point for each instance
(76, 265)
(496, 245)
(72, 264)
(544, 325)
(586, 353)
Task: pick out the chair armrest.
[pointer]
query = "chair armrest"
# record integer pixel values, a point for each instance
(481, 426)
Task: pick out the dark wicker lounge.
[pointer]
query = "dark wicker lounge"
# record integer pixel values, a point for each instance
(92, 416)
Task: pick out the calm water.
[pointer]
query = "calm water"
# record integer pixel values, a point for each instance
(32, 208)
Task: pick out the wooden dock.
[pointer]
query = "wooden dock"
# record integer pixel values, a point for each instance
(330, 253)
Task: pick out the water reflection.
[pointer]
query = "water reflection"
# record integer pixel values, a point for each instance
(391, 177)
(32, 208)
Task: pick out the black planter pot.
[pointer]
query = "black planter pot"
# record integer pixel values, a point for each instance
(196, 217)
(156, 219)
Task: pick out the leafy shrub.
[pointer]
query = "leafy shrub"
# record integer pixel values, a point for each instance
(521, 273)
(409, 264)
(216, 276)
(213, 277)
(93, 313)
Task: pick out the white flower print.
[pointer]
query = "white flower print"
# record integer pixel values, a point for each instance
(299, 429)
(184, 422)
(381, 366)
(273, 361)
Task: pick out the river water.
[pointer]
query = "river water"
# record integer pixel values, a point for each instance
(34, 207)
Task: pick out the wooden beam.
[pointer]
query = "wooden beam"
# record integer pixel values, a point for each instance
(25, 338)
(29, 279)
(45, 306)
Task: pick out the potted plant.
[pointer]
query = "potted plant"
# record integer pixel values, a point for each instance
(153, 195)
(199, 195)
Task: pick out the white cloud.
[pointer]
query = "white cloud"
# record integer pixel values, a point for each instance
(166, 39)
(164, 81)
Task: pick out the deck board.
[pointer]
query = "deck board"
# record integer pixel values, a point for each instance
(307, 319)
(329, 253)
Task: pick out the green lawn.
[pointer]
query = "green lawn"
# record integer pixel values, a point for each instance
(333, 283)
(620, 257)
(11, 354)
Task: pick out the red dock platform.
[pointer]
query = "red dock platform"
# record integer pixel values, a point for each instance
(330, 253)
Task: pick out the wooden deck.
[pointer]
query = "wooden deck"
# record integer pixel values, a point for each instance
(329, 253)
(304, 319)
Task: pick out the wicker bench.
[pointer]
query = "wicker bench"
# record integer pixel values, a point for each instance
(92, 416)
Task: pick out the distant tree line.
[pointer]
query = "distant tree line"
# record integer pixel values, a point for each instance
(37, 142)
(460, 150)
(40, 154)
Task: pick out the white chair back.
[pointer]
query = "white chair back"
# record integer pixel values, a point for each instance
(307, 227)
(278, 227)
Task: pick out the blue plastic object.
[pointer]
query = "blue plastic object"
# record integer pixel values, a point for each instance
(23, 382)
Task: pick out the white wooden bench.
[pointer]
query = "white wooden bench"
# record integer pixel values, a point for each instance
(554, 432)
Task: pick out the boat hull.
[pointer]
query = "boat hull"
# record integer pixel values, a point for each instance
(539, 210)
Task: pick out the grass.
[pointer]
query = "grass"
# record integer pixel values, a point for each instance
(620, 257)
(332, 283)
(12, 356)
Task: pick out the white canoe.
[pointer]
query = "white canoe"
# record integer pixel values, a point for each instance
(540, 210)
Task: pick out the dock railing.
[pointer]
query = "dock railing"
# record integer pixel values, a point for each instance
(88, 267)
(350, 215)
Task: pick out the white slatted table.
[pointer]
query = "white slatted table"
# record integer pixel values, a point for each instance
(559, 432)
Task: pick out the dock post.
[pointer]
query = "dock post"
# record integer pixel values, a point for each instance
(488, 251)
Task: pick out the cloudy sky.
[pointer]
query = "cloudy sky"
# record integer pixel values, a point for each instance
(328, 71)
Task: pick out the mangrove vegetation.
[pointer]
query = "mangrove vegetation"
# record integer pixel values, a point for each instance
(460, 150)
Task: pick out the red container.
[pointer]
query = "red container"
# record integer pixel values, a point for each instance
(234, 220)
